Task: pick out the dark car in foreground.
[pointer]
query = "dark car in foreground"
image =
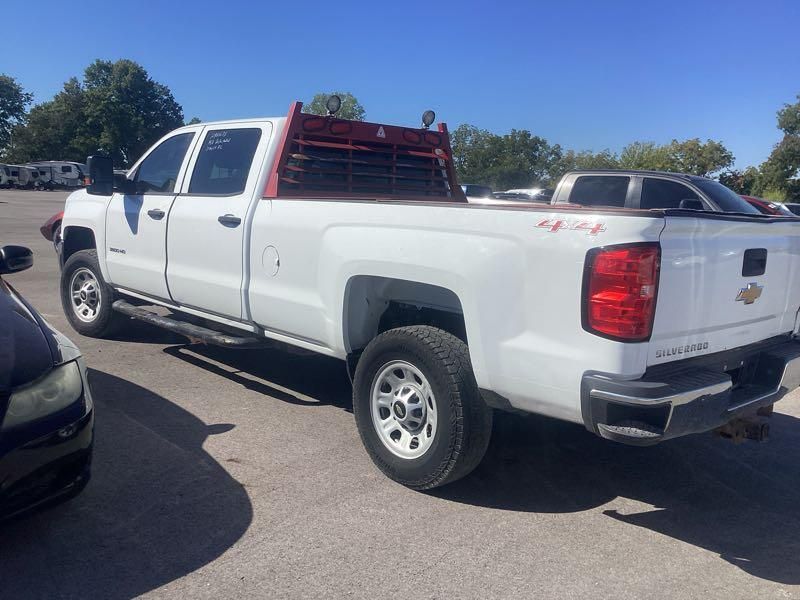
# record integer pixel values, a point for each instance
(46, 409)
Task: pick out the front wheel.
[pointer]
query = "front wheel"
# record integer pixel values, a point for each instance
(86, 297)
(418, 408)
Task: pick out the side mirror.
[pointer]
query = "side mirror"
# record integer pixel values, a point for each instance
(14, 259)
(101, 175)
(123, 185)
(692, 204)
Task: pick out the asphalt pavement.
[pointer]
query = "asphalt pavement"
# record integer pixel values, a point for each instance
(240, 474)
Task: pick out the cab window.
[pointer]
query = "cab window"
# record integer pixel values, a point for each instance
(224, 161)
(599, 190)
(158, 172)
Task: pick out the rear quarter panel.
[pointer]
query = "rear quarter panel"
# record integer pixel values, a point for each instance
(517, 273)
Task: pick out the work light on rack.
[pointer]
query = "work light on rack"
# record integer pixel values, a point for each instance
(333, 104)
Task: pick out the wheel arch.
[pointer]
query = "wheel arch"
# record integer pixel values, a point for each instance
(76, 238)
(374, 304)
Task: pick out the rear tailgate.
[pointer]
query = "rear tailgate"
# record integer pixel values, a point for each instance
(712, 293)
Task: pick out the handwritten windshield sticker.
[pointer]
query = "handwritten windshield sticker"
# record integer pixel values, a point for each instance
(216, 140)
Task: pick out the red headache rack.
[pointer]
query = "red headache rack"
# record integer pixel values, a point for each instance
(326, 157)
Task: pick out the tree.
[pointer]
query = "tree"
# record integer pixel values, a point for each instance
(55, 129)
(741, 182)
(13, 102)
(789, 118)
(194, 121)
(126, 109)
(644, 155)
(516, 160)
(117, 110)
(780, 173)
(351, 107)
(585, 159)
(698, 158)
(690, 156)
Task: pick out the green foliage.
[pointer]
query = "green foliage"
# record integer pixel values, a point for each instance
(194, 121)
(13, 102)
(775, 195)
(789, 118)
(742, 182)
(118, 110)
(515, 160)
(585, 159)
(521, 159)
(351, 107)
(690, 156)
(780, 174)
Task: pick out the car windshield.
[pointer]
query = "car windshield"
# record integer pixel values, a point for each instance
(727, 200)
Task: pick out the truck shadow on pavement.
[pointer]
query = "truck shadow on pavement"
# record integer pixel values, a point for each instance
(158, 506)
(740, 502)
(302, 379)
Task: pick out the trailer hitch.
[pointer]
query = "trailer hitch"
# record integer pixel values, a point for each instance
(749, 427)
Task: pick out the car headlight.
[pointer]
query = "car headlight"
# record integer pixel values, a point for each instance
(58, 389)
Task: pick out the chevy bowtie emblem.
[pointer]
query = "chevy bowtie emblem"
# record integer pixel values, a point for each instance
(749, 294)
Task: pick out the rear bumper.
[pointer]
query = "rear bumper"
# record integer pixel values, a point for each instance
(694, 397)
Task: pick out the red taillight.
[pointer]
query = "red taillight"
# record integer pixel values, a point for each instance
(620, 291)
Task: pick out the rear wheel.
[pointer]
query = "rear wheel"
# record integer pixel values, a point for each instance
(86, 298)
(418, 409)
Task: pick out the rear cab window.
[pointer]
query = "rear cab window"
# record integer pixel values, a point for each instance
(224, 161)
(600, 190)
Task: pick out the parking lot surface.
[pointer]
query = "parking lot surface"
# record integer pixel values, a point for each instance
(221, 473)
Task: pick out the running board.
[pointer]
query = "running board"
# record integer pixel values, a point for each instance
(195, 333)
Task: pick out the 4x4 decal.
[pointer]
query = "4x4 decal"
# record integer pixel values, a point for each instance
(554, 226)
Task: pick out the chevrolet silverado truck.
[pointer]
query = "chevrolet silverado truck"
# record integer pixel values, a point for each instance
(354, 240)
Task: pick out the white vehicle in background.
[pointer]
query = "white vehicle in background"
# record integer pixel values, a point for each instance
(44, 180)
(18, 176)
(537, 194)
(61, 173)
(474, 191)
(6, 180)
(353, 240)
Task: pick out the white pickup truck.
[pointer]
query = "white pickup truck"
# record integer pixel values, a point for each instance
(353, 240)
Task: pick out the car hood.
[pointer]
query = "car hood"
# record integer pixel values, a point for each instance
(29, 346)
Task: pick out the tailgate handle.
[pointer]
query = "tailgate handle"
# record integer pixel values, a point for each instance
(755, 262)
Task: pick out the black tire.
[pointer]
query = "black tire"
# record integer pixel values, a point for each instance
(106, 321)
(464, 421)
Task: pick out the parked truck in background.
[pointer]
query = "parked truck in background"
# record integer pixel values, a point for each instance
(353, 240)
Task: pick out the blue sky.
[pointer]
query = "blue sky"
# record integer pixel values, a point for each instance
(587, 75)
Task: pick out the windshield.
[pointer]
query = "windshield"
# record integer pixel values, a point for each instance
(727, 200)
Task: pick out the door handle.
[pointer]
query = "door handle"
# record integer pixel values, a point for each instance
(156, 213)
(229, 220)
